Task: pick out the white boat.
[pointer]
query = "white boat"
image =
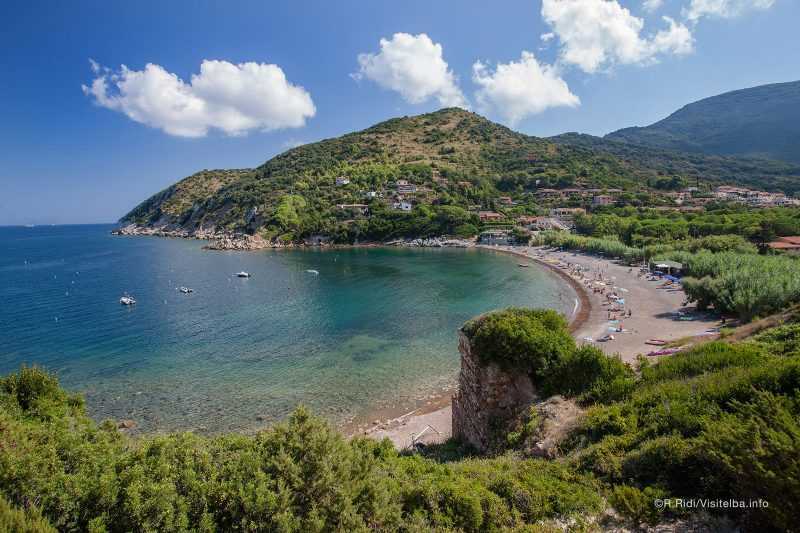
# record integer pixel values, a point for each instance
(186, 290)
(311, 271)
(242, 274)
(127, 300)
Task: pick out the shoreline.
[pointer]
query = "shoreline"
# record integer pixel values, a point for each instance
(652, 302)
(580, 316)
(399, 427)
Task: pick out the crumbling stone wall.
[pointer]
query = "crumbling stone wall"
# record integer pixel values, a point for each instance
(489, 399)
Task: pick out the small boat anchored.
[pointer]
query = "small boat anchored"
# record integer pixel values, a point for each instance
(523, 265)
(127, 300)
(242, 274)
(186, 290)
(312, 271)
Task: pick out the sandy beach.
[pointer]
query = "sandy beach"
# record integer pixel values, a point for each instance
(601, 284)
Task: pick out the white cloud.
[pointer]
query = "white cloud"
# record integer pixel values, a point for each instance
(596, 34)
(546, 37)
(232, 98)
(652, 5)
(413, 66)
(521, 88)
(723, 8)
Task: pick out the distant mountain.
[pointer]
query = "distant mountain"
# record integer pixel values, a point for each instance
(759, 122)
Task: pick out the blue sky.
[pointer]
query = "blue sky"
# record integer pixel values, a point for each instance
(281, 73)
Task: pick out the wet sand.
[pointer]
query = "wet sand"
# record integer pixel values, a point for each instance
(652, 307)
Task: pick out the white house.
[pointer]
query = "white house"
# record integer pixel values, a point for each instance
(341, 180)
(402, 206)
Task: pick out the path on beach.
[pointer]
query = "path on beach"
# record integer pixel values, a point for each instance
(652, 309)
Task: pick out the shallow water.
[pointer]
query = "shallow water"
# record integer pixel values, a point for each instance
(375, 327)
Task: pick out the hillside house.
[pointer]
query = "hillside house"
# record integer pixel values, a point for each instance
(501, 237)
(362, 209)
(602, 199)
(402, 206)
(341, 180)
(490, 216)
(790, 245)
(567, 213)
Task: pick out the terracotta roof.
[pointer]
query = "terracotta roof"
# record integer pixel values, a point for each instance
(777, 245)
(790, 240)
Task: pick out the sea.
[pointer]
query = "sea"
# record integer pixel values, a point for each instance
(345, 332)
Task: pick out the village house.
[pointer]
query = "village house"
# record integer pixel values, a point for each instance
(404, 187)
(496, 237)
(402, 206)
(490, 216)
(506, 200)
(790, 245)
(341, 180)
(540, 223)
(602, 199)
(567, 213)
(356, 208)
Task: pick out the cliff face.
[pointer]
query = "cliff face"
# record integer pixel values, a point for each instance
(489, 399)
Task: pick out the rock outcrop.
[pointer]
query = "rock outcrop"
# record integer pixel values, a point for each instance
(489, 399)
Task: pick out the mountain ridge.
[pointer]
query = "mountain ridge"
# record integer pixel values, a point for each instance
(761, 121)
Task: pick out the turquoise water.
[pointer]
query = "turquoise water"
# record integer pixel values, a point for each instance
(375, 328)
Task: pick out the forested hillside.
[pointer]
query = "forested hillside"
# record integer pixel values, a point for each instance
(454, 162)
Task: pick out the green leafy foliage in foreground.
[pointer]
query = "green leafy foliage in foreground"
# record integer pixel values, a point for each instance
(297, 476)
(720, 421)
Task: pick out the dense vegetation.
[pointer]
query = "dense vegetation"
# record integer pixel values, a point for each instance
(459, 161)
(761, 121)
(719, 421)
(672, 169)
(718, 249)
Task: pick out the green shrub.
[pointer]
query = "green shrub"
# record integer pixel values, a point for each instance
(637, 505)
(16, 520)
(588, 371)
(755, 449)
(707, 357)
(528, 340)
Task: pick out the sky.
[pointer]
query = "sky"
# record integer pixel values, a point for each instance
(105, 103)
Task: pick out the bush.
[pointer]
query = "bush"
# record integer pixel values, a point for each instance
(19, 521)
(636, 505)
(756, 452)
(589, 371)
(297, 476)
(528, 340)
(707, 357)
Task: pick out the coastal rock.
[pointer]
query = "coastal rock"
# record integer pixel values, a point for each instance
(240, 242)
(557, 416)
(489, 399)
(126, 424)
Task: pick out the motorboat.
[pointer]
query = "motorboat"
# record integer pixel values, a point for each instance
(127, 300)
(186, 290)
(312, 271)
(242, 274)
(523, 265)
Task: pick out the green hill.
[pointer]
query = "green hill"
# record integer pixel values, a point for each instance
(760, 122)
(456, 160)
(767, 174)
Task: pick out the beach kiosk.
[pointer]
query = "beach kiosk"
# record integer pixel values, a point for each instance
(673, 268)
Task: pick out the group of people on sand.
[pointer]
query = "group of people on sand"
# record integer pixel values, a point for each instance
(595, 278)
